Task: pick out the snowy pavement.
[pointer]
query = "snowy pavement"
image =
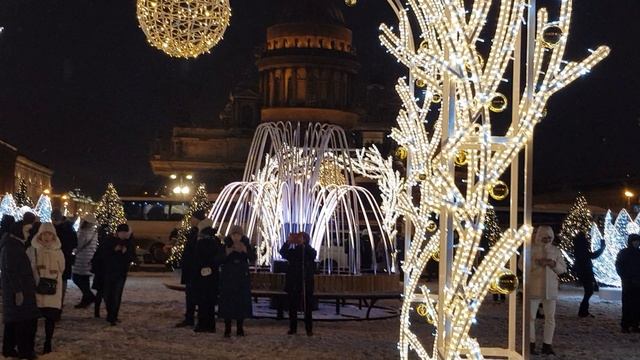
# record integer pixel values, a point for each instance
(149, 312)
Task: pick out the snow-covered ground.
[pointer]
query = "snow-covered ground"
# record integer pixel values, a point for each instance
(149, 312)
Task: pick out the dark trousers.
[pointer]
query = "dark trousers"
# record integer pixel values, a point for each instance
(630, 308)
(190, 302)
(588, 283)
(21, 334)
(98, 302)
(206, 302)
(294, 302)
(83, 283)
(113, 289)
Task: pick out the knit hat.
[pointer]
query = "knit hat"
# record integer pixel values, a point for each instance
(632, 238)
(123, 228)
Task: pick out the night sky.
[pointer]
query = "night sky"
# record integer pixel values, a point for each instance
(82, 92)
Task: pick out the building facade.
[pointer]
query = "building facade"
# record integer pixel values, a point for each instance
(15, 167)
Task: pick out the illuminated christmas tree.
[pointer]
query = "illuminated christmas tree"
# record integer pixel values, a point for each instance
(43, 209)
(199, 202)
(110, 210)
(21, 196)
(8, 207)
(578, 219)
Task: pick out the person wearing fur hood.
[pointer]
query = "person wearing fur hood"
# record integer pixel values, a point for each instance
(547, 263)
(47, 262)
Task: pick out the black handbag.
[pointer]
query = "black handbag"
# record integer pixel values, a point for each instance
(45, 286)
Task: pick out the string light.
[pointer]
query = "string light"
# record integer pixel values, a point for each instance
(448, 59)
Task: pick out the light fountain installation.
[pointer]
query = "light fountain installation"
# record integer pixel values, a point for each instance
(299, 177)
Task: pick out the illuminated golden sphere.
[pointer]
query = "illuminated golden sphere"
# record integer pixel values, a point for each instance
(351, 3)
(499, 103)
(499, 191)
(436, 98)
(461, 158)
(432, 226)
(402, 153)
(184, 28)
(505, 283)
(551, 35)
(422, 177)
(420, 83)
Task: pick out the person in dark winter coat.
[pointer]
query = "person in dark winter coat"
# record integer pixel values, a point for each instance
(26, 228)
(583, 268)
(299, 279)
(116, 254)
(209, 255)
(189, 270)
(98, 270)
(19, 308)
(235, 283)
(6, 224)
(69, 239)
(628, 268)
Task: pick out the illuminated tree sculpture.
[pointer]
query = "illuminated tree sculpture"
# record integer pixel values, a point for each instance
(43, 209)
(578, 219)
(461, 77)
(200, 201)
(8, 207)
(110, 211)
(21, 196)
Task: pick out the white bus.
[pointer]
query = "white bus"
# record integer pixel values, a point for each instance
(152, 219)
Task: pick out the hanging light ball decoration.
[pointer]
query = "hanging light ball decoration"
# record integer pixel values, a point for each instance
(421, 83)
(499, 103)
(436, 98)
(351, 3)
(423, 311)
(184, 28)
(499, 191)
(504, 283)
(551, 35)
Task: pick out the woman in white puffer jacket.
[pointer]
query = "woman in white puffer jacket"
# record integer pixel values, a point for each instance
(87, 245)
(547, 263)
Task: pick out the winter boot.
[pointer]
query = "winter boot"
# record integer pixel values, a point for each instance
(547, 349)
(240, 328)
(532, 349)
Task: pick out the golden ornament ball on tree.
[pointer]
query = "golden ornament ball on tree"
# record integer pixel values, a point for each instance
(432, 226)
(499, 103)
(551, 35)
(402, 153)
(184, 28)
(461, 158)
(504, 283)
(499, 191)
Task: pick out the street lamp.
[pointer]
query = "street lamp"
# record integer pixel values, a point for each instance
(628, 194)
